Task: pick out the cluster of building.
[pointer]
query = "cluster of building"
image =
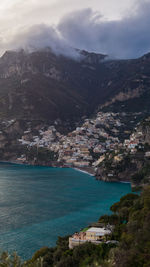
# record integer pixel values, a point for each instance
(77, 149)
(135, 141)
(87, 144)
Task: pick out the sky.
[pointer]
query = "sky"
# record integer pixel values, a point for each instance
(117, 28)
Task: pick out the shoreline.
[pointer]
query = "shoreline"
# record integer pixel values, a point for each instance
(13, 162)
(84, 171)
(87, 170)
(125, 182)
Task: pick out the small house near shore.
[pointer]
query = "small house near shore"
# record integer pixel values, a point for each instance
(94, 235)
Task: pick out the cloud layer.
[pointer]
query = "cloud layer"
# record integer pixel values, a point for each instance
(42, 36)
(128, 37)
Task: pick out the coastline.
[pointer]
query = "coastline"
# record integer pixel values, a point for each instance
(86, 170)
(14, 162)
(125, 182)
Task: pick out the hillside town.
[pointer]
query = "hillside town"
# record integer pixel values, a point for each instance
(88, 143)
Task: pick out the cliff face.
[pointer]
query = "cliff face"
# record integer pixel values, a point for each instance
(121, 172)
(144, 128)
(41, 85)
(131, 165)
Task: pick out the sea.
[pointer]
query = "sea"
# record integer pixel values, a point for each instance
(38, 204)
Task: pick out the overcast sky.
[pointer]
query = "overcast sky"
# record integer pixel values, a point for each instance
(115, 27)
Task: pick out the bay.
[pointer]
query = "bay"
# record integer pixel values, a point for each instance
(38, 204)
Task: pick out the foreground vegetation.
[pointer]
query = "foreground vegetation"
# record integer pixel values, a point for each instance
(130, 217)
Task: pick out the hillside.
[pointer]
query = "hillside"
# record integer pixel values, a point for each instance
(39, 90)
(41, 85)
(130, 162)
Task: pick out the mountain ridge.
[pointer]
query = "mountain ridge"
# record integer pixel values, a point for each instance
(42, 85)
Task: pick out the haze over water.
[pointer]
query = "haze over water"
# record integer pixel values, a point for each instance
(38, 204)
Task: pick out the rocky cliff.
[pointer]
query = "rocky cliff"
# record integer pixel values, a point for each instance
(41, 85)
(131, 163)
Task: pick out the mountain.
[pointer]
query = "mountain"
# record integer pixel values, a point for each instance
(43, 86)
(129, 85)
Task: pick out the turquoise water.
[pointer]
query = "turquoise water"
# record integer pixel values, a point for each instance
(38, 204)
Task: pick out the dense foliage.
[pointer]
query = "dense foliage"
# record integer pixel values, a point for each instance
(143, 176)
(131, 220)
(134, 248)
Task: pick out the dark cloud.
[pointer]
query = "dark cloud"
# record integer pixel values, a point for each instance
(126, 38)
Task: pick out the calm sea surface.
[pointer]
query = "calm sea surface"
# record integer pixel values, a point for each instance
(38, 204)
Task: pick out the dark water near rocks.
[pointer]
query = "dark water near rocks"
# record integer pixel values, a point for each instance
(38, 204)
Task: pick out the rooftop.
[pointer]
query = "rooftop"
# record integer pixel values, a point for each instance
(101, 231)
